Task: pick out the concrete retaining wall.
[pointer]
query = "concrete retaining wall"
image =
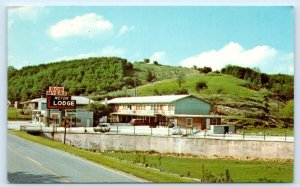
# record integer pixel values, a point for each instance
(184, 145)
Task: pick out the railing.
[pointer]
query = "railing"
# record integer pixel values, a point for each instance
(161, 131)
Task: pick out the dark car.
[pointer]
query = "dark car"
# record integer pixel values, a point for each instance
(138, 122)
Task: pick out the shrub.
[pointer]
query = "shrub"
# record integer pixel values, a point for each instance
(201, 85)
(181, 91)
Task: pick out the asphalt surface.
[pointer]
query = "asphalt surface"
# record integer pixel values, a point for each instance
(28, 162)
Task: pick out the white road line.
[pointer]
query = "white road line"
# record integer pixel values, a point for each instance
(40, 165)
(36, 162)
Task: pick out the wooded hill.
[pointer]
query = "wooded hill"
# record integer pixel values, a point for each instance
(247, 96)
(92, 76)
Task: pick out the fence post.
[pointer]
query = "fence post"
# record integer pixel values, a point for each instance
(224, 135)
(65, 133)
(204, 133)
(285, 137)
(264, 135)
(168, 131)
(134, 129)
(243, 135)
(151, 131)
(117, 129)
(41, 128)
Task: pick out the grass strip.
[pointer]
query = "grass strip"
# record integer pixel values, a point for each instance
(138, 171)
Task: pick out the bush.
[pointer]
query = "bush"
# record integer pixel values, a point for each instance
(201, 85)
(181, 91)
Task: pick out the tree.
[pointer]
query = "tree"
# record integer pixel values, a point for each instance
(200, 86)
(288, 110)
(265, 94)
(205, 70)
(150, 76)
(155, 63)
(146, 60)
(99, 111)
(180, 79)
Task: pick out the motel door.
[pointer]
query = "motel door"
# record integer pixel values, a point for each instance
(208, 124)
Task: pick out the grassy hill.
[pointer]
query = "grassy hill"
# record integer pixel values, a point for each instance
(230, 97)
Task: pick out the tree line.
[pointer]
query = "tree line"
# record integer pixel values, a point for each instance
(93, 76)
(280, 84)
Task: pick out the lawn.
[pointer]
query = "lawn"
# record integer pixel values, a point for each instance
(174, 168)
(240, 171)
(15, 114)
(217, 84)
(269, 131)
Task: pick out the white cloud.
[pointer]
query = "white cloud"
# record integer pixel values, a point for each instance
(266, 58)
(125, 29)
(112, 51)
(160, 57)
(86, 25)
(28, 13)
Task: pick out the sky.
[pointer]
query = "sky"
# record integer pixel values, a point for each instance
(260, 37)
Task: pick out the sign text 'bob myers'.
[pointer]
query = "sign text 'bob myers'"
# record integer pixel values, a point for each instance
(56, 91)
(60, 102)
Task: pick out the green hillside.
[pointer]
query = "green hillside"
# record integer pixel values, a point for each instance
(92, 76)
(247, 97)
(230, 97)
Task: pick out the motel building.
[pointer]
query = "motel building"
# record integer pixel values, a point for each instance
(79, 117)
(185, 111)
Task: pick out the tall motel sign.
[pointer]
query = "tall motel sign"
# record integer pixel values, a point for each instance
(57, 98)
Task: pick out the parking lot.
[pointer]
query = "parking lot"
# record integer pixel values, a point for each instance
(146, 130)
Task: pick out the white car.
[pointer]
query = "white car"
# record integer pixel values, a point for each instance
(176, 131)
(102, 127)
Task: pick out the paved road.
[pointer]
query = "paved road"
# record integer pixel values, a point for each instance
(29, 162)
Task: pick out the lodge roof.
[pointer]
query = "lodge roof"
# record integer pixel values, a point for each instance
(147, 99)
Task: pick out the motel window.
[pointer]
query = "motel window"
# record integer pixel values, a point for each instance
(138, 107)
(189, 122)
(129, 107)
(152, 107)
(160, 107)
(170, 107)
(214, 121)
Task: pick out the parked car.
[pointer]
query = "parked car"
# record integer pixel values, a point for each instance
(102, 127)
(176, 131)
(171, 124)
(138, 122)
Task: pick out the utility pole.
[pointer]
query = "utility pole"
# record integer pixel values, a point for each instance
(135, 88)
